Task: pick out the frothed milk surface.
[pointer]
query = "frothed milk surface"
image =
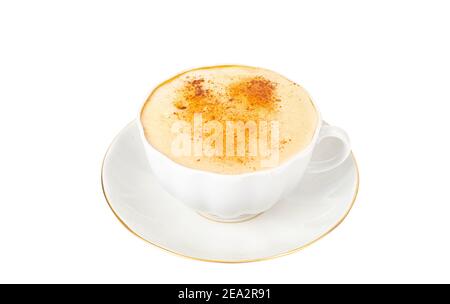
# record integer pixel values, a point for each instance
(196, 112)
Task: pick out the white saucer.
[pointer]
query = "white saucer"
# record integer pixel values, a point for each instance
(318, 206)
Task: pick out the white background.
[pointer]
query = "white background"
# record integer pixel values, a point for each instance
(74, 73)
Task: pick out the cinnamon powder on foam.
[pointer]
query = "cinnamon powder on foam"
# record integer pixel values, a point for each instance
(245, 100)
(248, 99)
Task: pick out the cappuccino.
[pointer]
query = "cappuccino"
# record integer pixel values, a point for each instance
(229, 119)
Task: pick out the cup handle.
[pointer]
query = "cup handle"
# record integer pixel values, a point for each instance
(331, 150)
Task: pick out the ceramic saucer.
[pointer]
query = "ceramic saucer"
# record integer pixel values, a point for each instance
(318, 205)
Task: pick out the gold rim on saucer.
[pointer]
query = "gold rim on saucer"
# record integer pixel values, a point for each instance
(234, 261)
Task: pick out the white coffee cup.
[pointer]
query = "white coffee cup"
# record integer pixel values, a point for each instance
(236, 197)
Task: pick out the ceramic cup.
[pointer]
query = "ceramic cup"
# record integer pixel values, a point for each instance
(237, 197)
